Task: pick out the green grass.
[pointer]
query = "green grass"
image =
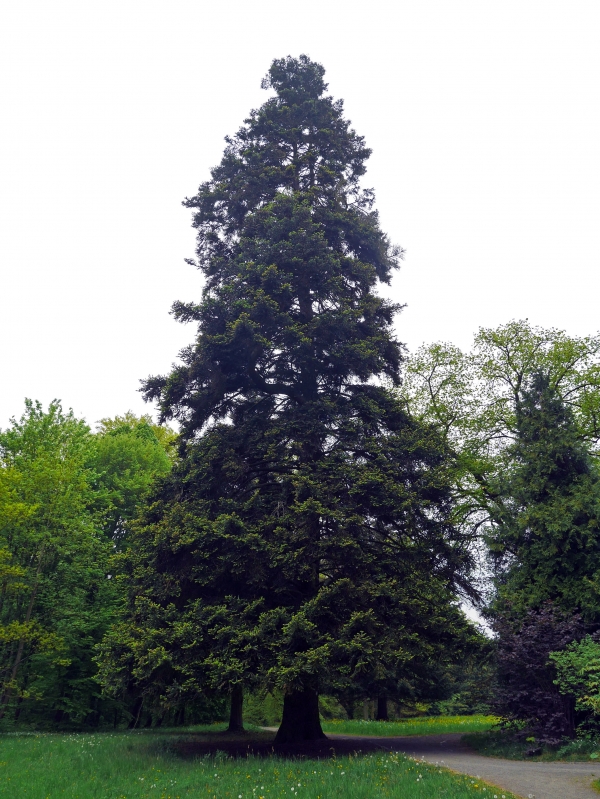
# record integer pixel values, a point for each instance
(428, 725)
(142, 766)
(501, 743)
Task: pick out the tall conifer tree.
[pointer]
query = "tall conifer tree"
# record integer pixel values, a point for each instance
(547, 542)
(302, 541)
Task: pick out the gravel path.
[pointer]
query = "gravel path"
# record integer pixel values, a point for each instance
(523, 778)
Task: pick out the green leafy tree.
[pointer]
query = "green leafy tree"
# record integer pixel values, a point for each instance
(56, 599)
(130, 453)
(474, 396)
(474, 399)
(578, 675)
(65, 496)
(302, 542)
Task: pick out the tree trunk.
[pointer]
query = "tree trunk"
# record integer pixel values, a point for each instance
(236, 718)
(300, 720)
(18, 708)
(382, 709)
(137, 709)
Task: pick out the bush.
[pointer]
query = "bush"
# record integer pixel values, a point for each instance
(578, 674)
(527, 692)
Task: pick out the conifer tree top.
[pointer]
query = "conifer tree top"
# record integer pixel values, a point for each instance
(295, 78)
(291, 251)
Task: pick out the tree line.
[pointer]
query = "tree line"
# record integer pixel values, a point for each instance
(328, 504)
(520, 415)
(66, 497)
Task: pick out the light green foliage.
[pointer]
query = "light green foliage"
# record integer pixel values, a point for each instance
(64, 493)
(264, 710)
(578, 673)
(475, 396)
(130, 453)
(141, 766)
(55, 593)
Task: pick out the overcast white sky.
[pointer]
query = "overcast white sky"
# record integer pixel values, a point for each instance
(484, 119)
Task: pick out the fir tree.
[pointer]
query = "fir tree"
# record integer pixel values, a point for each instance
(302, 540)
(547, 544)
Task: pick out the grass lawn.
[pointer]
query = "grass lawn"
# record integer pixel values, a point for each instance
(500, 743)
(428, 725)
(145, 766)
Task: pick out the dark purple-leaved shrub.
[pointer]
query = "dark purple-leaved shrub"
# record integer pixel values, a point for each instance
(526, 692)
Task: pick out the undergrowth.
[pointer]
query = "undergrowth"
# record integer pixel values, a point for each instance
(504, 743)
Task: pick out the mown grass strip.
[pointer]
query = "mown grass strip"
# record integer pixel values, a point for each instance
(141, 766)
(428, 725)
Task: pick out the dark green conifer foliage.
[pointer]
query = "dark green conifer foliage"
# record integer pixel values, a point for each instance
(547, 545)
(302, 541)
(291, 250)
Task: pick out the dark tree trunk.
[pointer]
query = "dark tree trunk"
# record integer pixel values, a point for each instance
(300, 720)
(18, 708)
(382, 709)
(137, 709)
(236, 718)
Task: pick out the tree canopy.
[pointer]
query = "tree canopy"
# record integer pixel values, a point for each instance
(303, 540)
(480, 402)
(520, 414)
(546, 543)
(65, 495)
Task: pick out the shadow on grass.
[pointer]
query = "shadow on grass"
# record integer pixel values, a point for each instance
(259, 744)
